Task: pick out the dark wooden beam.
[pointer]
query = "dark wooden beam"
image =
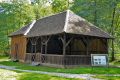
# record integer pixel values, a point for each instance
(65, 43)
(87, 45)
(44, 41)
(104, 43)
(86, 41)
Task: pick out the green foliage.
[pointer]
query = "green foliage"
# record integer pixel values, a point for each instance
(100, 13)
(59, 5)
(15, 16)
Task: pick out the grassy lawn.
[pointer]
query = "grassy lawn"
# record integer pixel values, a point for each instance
(117, 61)
(108, 77)
(80, 70)
(12, 75)
(3, 58)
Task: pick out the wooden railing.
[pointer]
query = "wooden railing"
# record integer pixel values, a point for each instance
(52, 59)
(58, 59)
(77, 60)
(67, 59)
(32, 57)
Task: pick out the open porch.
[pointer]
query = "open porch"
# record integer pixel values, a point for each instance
(64, 50)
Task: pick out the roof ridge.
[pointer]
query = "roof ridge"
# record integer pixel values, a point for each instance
(66, 21)
(30, 27)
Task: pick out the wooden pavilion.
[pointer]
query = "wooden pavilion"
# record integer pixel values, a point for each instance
(60, 40)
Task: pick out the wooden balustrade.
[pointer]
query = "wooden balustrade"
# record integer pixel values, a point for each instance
(52, 59)
(59, 59)
(77, 60)
(32, 57)
(67, 59)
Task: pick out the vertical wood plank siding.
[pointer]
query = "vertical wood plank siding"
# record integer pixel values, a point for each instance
(21, 42)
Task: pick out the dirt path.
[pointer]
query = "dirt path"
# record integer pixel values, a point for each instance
(66, 75)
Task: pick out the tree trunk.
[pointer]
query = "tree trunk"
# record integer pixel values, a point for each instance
(112, 32)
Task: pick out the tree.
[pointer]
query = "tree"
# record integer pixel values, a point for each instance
(14, 17)
(59, 5)
(103, 14)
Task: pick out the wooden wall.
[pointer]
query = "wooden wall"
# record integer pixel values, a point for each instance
(95, 46)
(99, 45)
(21, 49)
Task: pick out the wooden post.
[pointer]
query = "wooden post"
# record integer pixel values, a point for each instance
(33, 41)
(63, 39)
(65, 44)
(87, 46)
(44, 42)
(86, 42)
(41, 44)
(107, 46)
(64, 50)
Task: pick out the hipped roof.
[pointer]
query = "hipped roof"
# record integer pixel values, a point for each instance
(66, 21)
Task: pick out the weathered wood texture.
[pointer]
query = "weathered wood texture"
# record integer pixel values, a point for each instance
(98, 45)
(67, 60)
(18, 48)
(35, 57)
(95, 46)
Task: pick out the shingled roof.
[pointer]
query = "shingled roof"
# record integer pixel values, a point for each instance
(66, 21)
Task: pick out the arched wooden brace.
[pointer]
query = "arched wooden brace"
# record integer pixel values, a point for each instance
(86, 41)
(44, 41)
(34, 43)
(105, 43)
(65, 43)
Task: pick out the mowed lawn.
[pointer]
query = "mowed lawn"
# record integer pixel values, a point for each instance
(13, 75)
(32, 76)
(108, 77)
(79, 70)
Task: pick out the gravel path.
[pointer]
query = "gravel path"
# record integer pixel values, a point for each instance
(66, 75)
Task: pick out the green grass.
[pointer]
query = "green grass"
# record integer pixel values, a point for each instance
(80, 70)
(3, 58)
(108, 77)
(117, 60)
(13, 75)
(31, 76)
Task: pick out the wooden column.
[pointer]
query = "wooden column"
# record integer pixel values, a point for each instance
(87, 46)
(44, 41)
(34, 42)
(86, 41)
(65, 44)
(107, 46)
